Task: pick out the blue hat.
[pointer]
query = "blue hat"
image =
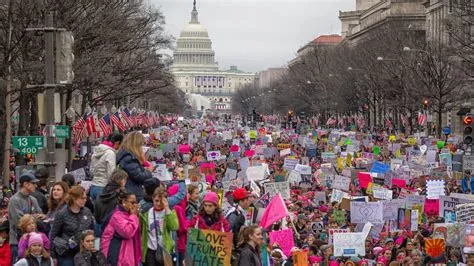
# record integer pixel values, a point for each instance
(28, 177)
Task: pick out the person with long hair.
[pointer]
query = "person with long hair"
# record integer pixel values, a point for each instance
(28, 227)
(120, 242)
(131, 159)
(57, 199)
(192, 207)
(250, 240)
(67, 226)
(103, 163)
(88, 255)
(210, 215)
(157, 225)
(35, 255)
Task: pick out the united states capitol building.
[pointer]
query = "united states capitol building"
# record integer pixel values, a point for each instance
(197, 72)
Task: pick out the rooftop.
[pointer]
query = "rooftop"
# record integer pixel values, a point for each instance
(333, 38)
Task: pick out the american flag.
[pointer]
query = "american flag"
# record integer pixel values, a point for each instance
(140, 118)
(331, 122)
(421, 119)
(115, 118)
(90, 124)
(78, 132)
(105, 126)
(127, 117)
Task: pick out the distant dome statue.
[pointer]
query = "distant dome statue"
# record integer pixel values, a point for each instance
(194, 47)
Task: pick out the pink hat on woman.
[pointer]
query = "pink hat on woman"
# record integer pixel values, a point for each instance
(211, 197)
(35, 238)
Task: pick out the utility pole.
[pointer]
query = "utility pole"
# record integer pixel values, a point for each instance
(49, 94)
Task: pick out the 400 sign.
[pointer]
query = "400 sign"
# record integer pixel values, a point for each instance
(28, 144)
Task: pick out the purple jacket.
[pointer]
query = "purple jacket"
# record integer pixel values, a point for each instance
(23, 244)
(128, 228)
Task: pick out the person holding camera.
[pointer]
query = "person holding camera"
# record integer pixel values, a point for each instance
(67, 226)
(88, 255)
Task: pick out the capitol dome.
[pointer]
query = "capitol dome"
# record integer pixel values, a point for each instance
(194, 47)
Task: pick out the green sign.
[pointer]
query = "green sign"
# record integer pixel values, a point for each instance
(28, 144)
(62, 132)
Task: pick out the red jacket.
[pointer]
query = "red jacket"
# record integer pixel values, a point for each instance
(5, 255)
(199, 222)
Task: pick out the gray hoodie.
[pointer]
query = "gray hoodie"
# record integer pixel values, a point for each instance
(102, 165)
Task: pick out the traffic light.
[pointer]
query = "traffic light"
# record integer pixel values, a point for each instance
(468, 134)
(64, 57)
(425, 104)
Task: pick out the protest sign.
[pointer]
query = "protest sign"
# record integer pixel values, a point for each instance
(390, 209)
(303, 169)
(364, 179)
(434, 188)
(404, 219)
(337, 195)
(294, 177)
(213, 155)
(317, 227)
(79, 174)
(339, 216)
(465, 212)
(414, 220)
(208, 247)
(431, 206)
(341, 182)
(435, 247)
(332, 231)
(379, 167)
(349, 244)
(278, 187)
(244, 163)
(447, 205)
(284, 238)
(320, 196)
(255, 173)
(230, 174)
(290, 164)
(382, 193)
(363, 212)
(300, 258)
(161, 172)
(454, 233)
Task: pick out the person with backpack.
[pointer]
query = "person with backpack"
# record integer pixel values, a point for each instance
(210, 216)
(89, 256)
(120, 241)
(103, 163)
(236, 215)
(107, 201)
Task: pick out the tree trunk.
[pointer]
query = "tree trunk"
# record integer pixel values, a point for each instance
(24, 112)
(34, 115)
(440, 122)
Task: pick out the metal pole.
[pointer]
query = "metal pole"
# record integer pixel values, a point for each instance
(69, 147)
(8, 109)
(49, 95)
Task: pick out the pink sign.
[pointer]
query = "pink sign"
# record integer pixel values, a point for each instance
(399, 183)
(184, 148)
(249, 153)
(285, 239)
(234, 148)
(432, 207)
(364, 179)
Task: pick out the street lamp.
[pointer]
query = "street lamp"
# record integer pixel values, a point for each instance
(380, 58)
(408, 49)
(113, 109)
(88, 109)
(70, 113)
(103, 110)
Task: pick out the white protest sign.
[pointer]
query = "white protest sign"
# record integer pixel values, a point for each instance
(244, 163)
(230, 174)
(255, 173)
(414, 220)
(290, 164)
(161, 172)
(278, 187)
(363, 212)
(332, 231)
(447, 204)
(366, 229)
(294, 177)
(79, 174)
(465, 212)
(434, 189)
(341, 182)
(320, 196)
(303, 169)
(226, 135)
(382, 193)
(349, 244)
(395, 164)
(213, 155)
(285, 152)
(236, 142)
(337, 195)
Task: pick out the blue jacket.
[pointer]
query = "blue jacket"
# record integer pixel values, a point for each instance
(136, 172)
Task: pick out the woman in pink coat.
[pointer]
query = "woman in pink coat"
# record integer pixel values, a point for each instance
(182, 233)
(120, 241)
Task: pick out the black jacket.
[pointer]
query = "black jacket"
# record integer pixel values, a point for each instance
(87, 258)
(42, 202)
(137, 174)
(106, 202)
(249, 256)
(68, 225)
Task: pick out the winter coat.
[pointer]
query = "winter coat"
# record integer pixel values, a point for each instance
(137, 174)
(120, 242)
(236, 218)
(68, 224)
(102, 164)
(191, 209)
(180, 208)
(170, 223)
(87, 258)
(249, 256)
(147, 202)
(23, 244)
(106, 202)
(35, 261)
(5, 254)
(221, 225)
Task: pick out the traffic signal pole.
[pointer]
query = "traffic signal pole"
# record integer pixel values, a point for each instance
(49, 95)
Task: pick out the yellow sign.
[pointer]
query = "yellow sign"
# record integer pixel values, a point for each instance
(220, 194)
(348, 160)
(283, 146)
(252, 134)
(411, 141)
(392, 138)
(398, 153)
(340, 165)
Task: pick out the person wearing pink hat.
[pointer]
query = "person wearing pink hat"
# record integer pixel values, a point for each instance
(35, 254)
(210, 215)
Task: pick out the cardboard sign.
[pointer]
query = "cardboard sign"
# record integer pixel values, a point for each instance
(300, 258)
(208, 247)
(278, 187)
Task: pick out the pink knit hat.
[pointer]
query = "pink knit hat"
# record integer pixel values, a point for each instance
(399, 241)
(211, 197)
(35, 238)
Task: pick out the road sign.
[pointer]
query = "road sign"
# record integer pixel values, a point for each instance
(468, 162)
(62, 132)
(446, 130)
(28, 144)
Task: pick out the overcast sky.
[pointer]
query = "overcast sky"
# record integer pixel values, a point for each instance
(257, 34)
